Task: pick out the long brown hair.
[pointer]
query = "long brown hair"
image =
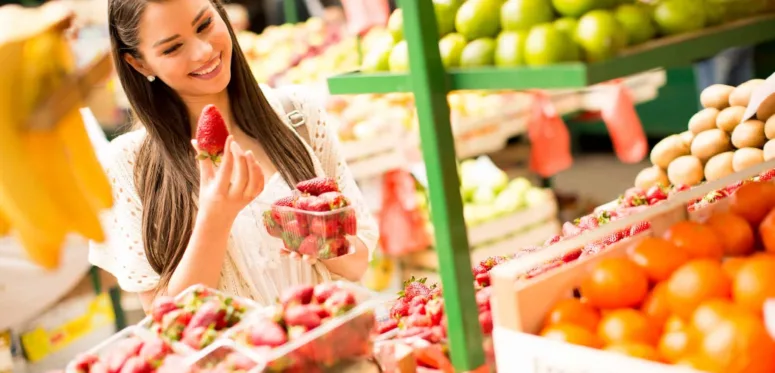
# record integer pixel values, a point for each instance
(165, 171)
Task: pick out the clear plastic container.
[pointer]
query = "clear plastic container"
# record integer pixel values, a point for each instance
(341, 338)
(177, 328)
(321, 235)
(131, 346)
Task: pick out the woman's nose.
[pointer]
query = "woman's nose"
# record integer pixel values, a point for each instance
(203, 51)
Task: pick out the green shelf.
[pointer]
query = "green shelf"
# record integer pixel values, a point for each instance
(660, 53)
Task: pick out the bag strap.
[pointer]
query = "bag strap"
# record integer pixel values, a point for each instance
(295, 117)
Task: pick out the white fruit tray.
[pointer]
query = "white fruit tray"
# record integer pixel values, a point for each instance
(519, 306)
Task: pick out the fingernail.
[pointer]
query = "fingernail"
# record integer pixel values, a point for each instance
(235, 147)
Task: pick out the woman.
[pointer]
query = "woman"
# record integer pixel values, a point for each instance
(174, 226)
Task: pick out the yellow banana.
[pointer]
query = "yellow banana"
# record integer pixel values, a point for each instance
(5, 225)
(85, 165)
(43, 250)
(50, 161)
(24, 200)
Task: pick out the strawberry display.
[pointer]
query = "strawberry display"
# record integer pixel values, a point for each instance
(302, 309)
(197, 319)
(315, 221)
(128, 355)
(211, 134)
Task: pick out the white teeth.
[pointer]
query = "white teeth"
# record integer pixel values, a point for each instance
(209, 70)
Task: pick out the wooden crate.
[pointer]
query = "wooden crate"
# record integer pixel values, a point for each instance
(519, 307)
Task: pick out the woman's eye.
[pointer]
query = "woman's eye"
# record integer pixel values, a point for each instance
(171, 49)
(204, 25)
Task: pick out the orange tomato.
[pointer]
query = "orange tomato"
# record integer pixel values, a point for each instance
(676, 345)
(658, 258)
(740, 344)
(573, 334)
(695, 282)
(638, 350)
(573, 311)
(674, 323)
(753, 201)
(698, 362)
(615, 283)
(712, 312)
(695, 239)
(732, 265)
(767, 232)
(656, 307)
(627, 325)
(735, 233)
(754, 283)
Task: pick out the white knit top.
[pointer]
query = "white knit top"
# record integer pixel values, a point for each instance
(253, 267)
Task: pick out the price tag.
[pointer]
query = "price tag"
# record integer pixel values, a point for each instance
(624, 125)
(550, 150)
(362, 15)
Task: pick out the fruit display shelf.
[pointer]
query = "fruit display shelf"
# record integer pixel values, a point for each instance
(665, 52)
(521, 305)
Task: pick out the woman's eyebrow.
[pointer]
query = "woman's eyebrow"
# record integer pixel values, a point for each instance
(165, 40)
(199, 15)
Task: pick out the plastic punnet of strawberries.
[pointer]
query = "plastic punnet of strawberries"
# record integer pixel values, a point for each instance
(197, 319)
(315, 221)
(280, 336)
(131, 354)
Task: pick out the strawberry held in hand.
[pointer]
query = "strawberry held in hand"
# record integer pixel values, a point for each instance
(211, 134)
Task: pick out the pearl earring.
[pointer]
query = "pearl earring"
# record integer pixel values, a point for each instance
(151, 78)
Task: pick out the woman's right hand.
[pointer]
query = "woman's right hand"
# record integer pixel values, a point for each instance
(236, 182)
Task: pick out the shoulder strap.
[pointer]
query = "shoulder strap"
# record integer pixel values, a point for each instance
(294, 116)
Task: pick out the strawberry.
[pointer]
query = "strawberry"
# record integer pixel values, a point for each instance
(417, 320)
(199, 337)
(435, 309)
(272, 226)
(553, 240)
(319, 310)
(291, 241)
(571, 255)
(767, 175)
(125, 350)
(83, 363)
(340, 302)
(323, 291)
(211, 134)
(570, 230)
(639, 227)
(318, 186)
(483, 279)
(135, 364)
(207, 315)
(154, 351)
(301, 315)
(236, 362)
(400, 309)
(295, 228)
(413, 288)
(313, 204)
(483, 299)
(324, 226)
(162, 306)
(349, 222)
(588, 222)
(281, 209)
(386, 326)
(332, 248)
(485, 321)
(309, 246)
(297, 295)
(335, 200)
(266, 333)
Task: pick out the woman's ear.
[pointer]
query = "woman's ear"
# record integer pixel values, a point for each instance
(138, 64)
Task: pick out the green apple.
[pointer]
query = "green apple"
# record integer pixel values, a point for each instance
(451, 48)
(510, 48)
(396, 25)
(484, 194)
(478, 19)
(399, 57)
(376, 60)
(509, 200)
(600, 35)
(519, 184)
(537, 196)
(521, 15)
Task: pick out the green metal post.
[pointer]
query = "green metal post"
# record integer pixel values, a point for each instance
(430, 86)
(291, 12)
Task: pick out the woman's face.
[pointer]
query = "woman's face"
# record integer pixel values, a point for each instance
(186, 44)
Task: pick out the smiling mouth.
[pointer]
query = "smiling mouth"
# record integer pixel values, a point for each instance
(209, 67)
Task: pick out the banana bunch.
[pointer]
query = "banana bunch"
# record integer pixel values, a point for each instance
(51, 182)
